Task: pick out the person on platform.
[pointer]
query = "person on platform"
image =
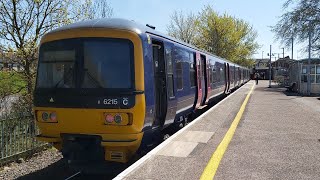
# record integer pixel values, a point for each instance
(256, 75)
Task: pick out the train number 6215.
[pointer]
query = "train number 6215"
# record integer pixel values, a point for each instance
(110, 101)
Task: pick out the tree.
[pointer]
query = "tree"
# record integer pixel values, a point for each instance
(183, 27)
(98, 9)
(24, 22)
(226, 36)
(296, 23)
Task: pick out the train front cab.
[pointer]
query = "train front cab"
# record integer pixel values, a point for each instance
(110, 120)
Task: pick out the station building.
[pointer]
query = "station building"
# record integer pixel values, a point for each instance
(262, 68)
(298, 76)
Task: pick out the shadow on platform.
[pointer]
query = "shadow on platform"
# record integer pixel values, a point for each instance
(280, 89)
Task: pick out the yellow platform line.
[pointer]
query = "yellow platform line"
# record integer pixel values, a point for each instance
(215, 159)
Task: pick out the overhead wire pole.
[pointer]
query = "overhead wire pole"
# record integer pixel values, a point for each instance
(292, 48)
(270, 69)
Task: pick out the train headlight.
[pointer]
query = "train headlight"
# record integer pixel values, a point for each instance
(109, 118)
(53, 117)
(45, 116)
(118, 119)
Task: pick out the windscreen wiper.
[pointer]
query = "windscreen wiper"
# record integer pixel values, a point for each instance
(92, 79)
(67, 77)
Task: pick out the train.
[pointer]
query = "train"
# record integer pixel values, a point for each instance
(106, 88)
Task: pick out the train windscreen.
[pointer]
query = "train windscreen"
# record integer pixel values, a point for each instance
(89, 63)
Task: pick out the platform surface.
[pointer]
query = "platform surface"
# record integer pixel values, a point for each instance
(278, 137)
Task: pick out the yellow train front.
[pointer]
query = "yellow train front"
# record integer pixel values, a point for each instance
(89, 96)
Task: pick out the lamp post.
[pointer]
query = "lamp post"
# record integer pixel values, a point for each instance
(309, 59)
(270, 68)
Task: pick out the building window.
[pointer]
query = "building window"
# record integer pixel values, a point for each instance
(304, 78)
(318, 69)
(304, 69)
(312, 70)
(313, 74)
(312, 78)
(317, 78)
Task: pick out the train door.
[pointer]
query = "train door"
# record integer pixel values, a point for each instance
(234, 76)
(171, 99)
(159, 83)
(239, 76)
(228, 77)
(201, 79)
(225, 78)
(208, 77)
(204, 82)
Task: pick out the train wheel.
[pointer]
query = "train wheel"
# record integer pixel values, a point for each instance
(182, 122)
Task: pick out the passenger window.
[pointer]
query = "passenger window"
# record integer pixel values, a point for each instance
(179, 67)
(218, 74)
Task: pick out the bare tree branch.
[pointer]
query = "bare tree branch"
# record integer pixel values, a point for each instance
(296, 23)
(183, 27)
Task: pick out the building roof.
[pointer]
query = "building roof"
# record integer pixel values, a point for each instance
(313, 61)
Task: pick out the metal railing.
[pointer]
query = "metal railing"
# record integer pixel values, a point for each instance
(17, 137)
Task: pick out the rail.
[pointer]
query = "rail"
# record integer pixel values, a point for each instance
(17, 138)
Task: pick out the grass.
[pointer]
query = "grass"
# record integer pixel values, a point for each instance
(11, 82)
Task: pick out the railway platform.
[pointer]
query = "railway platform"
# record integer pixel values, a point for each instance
(255, 133)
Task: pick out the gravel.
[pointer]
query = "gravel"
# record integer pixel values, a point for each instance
(34, 167)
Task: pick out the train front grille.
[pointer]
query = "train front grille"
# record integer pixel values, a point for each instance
(117, 156)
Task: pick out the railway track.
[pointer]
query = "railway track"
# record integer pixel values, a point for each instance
(74, 175)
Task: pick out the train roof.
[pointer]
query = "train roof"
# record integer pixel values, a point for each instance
(117, 23)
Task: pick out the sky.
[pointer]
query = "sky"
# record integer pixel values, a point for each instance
(261, 14)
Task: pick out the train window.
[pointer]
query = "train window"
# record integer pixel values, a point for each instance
(222, 73)
(107, 63)
(179, 72)
(56, 64)
(209, 74)
(192, 71)
(57, 68)
(218, 74)
(213, 72)
(169, 72)
(169, 61)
